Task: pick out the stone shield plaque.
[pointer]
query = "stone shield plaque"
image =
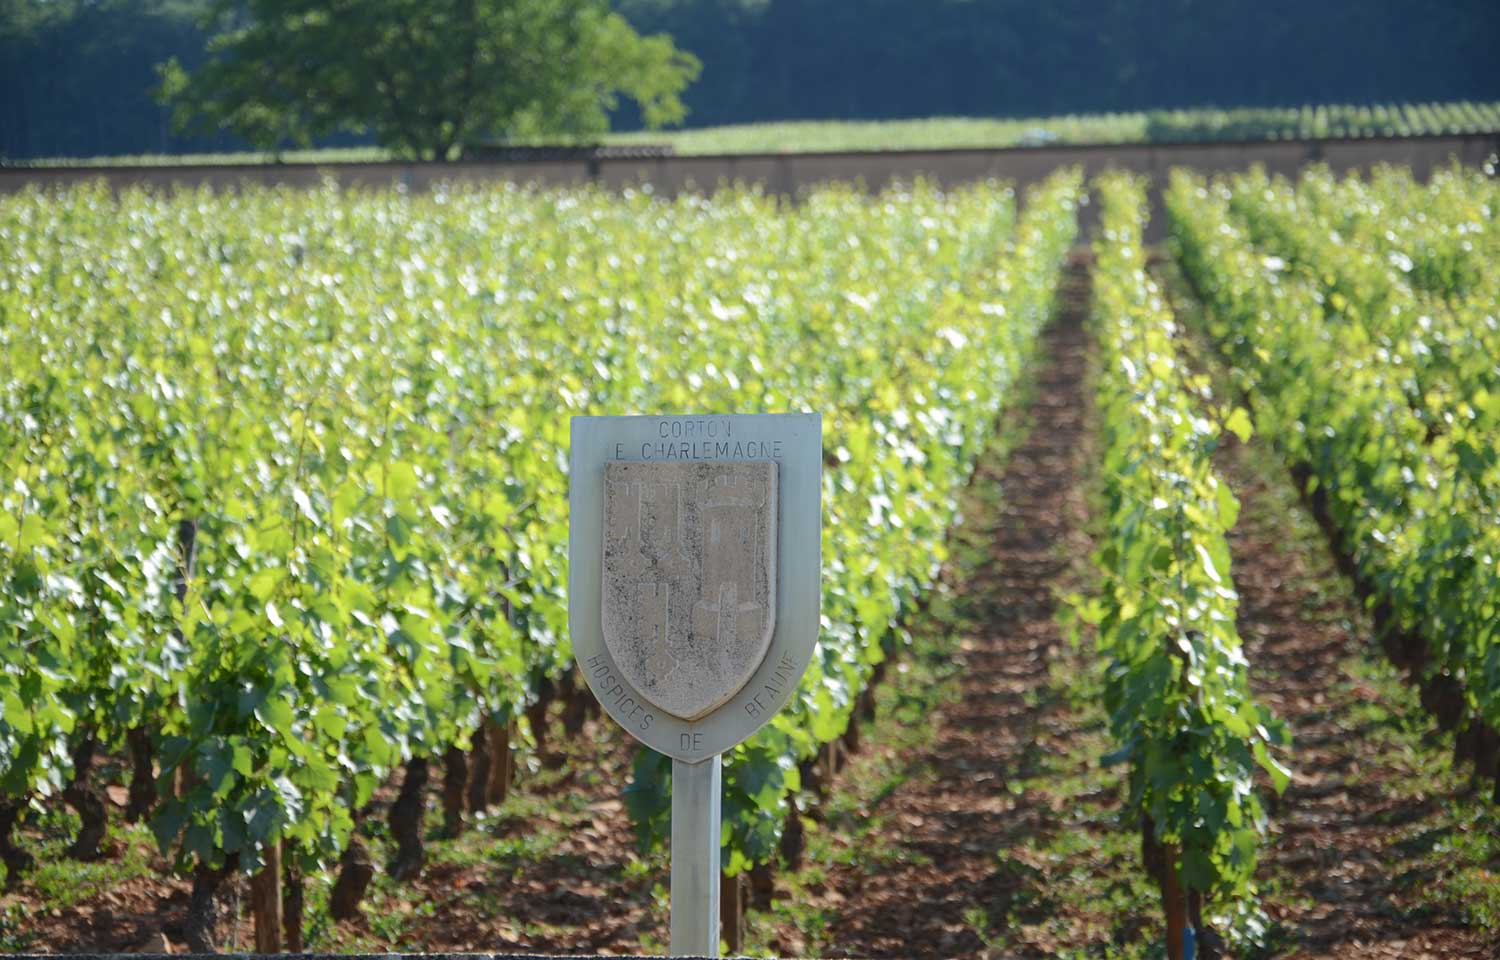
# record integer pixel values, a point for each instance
(694, 562)
(689, 592)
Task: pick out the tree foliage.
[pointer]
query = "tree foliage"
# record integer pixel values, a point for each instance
(75, 76)
(424, 77)
(878, 59)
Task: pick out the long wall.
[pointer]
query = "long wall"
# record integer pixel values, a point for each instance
(789, 173)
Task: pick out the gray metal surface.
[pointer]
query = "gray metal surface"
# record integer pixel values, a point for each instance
(689, 604)
(697, 793)
(794, 443)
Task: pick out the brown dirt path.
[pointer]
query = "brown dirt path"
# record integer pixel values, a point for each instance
(553, 870)
(962, 804)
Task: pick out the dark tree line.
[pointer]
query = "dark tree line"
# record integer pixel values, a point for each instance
(77, 75)
(819, 59)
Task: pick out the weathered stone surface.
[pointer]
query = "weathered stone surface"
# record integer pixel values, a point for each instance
(794, 442)
(689, 586)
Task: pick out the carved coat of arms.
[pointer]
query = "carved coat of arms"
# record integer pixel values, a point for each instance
(689, 584)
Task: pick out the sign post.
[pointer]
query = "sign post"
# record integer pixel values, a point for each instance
(697, 790)
(693, 602)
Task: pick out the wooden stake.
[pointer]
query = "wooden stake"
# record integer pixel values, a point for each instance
(498, 738)
(831, 759)
(1160, 861)
(356, 870)
(455, 790)
(500, 768)
(291, 898)
(850, 740)
(732, 911)
(792, 842)
(479, 770)
(536, 716)
(1175, 905)
(762, 886)
(265, 903)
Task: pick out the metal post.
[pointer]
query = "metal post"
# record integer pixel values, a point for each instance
(697, 791)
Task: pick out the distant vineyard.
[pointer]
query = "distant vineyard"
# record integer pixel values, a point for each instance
(1322, 122)
(1313, 122)
(285, 507)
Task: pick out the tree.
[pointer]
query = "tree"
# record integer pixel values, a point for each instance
(424, 76)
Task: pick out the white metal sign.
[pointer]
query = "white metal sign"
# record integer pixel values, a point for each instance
(689, 577)
(694, 593)
(693, 644)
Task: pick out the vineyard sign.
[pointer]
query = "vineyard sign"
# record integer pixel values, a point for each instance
(689, 578)
(694, 589)
(694, 571)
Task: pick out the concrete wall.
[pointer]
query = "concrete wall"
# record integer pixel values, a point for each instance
(789, 173)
